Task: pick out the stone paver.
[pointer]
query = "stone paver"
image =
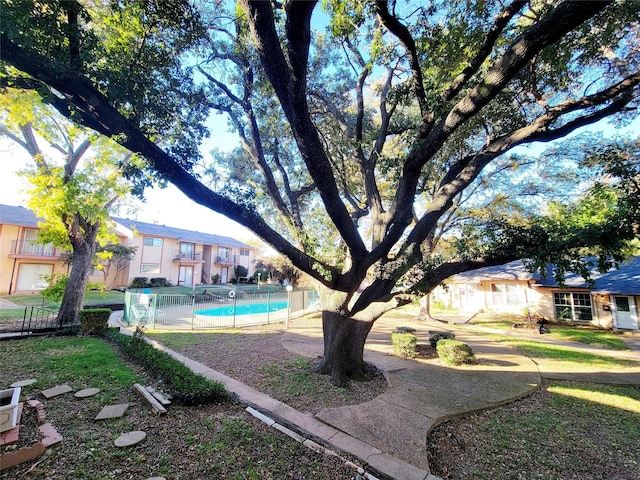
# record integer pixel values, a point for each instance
(112, 411)
(87, 392)
(130, 438)
(57, 390)
(50, 435)
(23, 383)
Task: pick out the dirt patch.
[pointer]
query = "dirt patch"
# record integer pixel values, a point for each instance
(213, 441)
(256, 357)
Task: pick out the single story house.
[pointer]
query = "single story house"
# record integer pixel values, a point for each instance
(613, 301)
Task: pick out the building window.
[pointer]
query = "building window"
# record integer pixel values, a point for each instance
(572, 306)
(152, 242)
(150, 268)
(30, 246)
(622, 304)
(224, 254)
(33, 276)
(468, 295)
(505, 294)
(244, 252)
(187, 251)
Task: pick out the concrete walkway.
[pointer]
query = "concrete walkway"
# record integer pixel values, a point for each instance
(8, 304)
(389, 433)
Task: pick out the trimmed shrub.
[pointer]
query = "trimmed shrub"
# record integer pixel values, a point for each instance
(139, 282)
(159, 282)
(404, 342)
(94, 321)
(454, 352)
(240, 271)
(184, 386)
(435, 337)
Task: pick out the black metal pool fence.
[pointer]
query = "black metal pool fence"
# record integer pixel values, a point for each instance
(216, 310)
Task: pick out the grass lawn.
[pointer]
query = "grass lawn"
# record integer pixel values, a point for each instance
(33, 300)
(565, 430)
(91, 298)
(563, 356)
(11, 318)
(579, 334)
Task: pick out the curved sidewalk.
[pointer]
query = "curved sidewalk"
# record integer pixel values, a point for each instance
(389, 433)
(421, 393)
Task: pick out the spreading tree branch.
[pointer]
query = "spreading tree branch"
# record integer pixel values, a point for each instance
(92, 109)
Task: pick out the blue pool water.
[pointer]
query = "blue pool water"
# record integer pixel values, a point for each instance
(247, 309)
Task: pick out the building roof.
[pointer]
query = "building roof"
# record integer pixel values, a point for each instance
(153, 229)
(11, 215)
(624, 280)
(509, 271)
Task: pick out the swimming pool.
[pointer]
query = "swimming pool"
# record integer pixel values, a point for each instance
(246, 309)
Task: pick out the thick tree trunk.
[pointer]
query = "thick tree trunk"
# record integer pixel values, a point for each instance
(425, 307)
(84, 249)
(344, 340)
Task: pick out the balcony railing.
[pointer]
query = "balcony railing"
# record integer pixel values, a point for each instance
(31, 249)
(227, 259)
(179, 256)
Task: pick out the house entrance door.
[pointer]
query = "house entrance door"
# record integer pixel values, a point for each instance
(185, 276)
(625, 314)
(224, 275)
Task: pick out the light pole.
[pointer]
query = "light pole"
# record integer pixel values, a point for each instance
(289, 290)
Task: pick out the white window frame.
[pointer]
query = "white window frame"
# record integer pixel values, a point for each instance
(505, 294)
(154, 242)
(572, 306)
(155, 268)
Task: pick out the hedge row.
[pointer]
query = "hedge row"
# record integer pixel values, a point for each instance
(184, 386)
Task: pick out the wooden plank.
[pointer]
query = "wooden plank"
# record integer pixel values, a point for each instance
(149, 399)
(161, 397)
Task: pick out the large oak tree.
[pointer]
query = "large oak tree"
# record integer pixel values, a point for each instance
(358, 143)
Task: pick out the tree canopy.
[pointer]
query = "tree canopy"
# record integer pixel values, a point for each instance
(363, 124)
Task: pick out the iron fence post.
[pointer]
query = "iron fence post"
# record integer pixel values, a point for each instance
(193, 312)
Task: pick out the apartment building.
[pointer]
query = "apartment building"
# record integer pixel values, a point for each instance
(183, 257)
(612, 301)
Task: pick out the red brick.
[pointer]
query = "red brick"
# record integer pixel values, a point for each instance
(50, 435)
(21, 455)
